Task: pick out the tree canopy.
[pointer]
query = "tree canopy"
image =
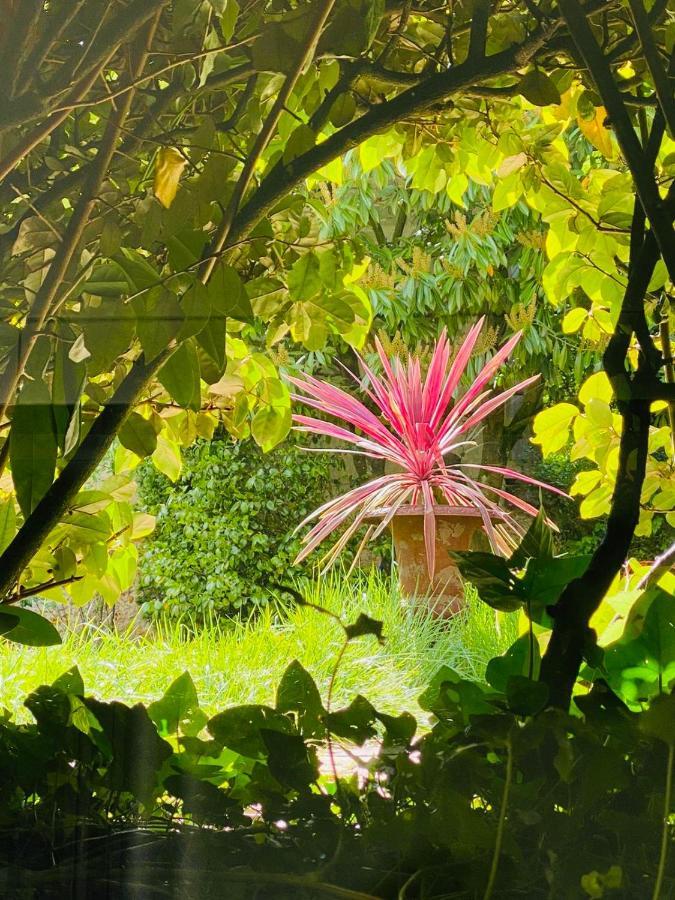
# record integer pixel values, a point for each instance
(168, 171)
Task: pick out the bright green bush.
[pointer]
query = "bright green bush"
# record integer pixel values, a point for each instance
(225, 530)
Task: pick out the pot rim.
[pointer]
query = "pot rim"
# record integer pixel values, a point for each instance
(439, 510)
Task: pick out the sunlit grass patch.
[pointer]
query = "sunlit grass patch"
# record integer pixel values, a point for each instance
(233, 663)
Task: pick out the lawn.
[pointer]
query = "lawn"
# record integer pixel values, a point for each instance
(242, 663)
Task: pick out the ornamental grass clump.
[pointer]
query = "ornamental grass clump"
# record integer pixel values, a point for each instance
(413, 423)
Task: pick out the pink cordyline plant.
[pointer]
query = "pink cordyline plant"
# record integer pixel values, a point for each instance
(419, 422)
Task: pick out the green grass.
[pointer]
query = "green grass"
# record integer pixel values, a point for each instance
(242, 663)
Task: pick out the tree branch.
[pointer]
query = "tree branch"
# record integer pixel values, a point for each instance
(48, 290)
(643, 177)
(265, 135)
(82, 465)
(660, 77)
(435, 88)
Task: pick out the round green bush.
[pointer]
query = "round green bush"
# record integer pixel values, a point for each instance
(225, 530)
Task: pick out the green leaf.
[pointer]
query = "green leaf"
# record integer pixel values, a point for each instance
(70, 682)
(228, 295)
(7, 523)
(140, 274)
(298, 693)
(659, 720)
(108, 329)
(538, 542)
(196, 306)
(304, 279)
(31, 629)
(552, 427)
(289, 759)
(32, 445)
(178, 710)
(545, 580)
(343, 110)
(107, 280)
(539, 89)
(299, 141)
(212, 341)
(159, 319)
(239, 728)
(7, 620)
(138, 435)
(228, 20)
(491, 576)
(67, 384)
(180, 376)
(270, 426)
(167, 458)
(516, 661)
(355, 722)
(641, 664)
(525, 696)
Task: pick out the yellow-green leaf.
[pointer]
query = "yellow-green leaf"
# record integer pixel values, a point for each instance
(168, 169)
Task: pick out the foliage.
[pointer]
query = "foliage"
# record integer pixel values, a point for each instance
(442, 258)
(420, 421)
(489, 800)
(596, 431)
(243, 661)
(630, 642)
(225, 539)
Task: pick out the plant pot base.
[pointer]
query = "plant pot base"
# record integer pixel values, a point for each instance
(442, 595)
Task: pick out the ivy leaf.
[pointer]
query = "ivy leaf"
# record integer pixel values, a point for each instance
(138, 435)
(298, 693)
(178, 710)
(539, 89)
(289, 759)
(239, 728)
(180, 376)
(355, 722)
(545, 579)
(32, 445)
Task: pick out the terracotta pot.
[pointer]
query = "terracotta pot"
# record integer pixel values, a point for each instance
(455, 527)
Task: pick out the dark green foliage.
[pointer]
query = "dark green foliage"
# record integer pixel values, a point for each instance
(224, 532)
(92, 793)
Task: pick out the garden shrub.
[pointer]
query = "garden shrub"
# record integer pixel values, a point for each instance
(225, 529)
(488, 803)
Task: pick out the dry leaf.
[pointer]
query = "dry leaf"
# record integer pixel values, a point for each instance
(169, 168)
